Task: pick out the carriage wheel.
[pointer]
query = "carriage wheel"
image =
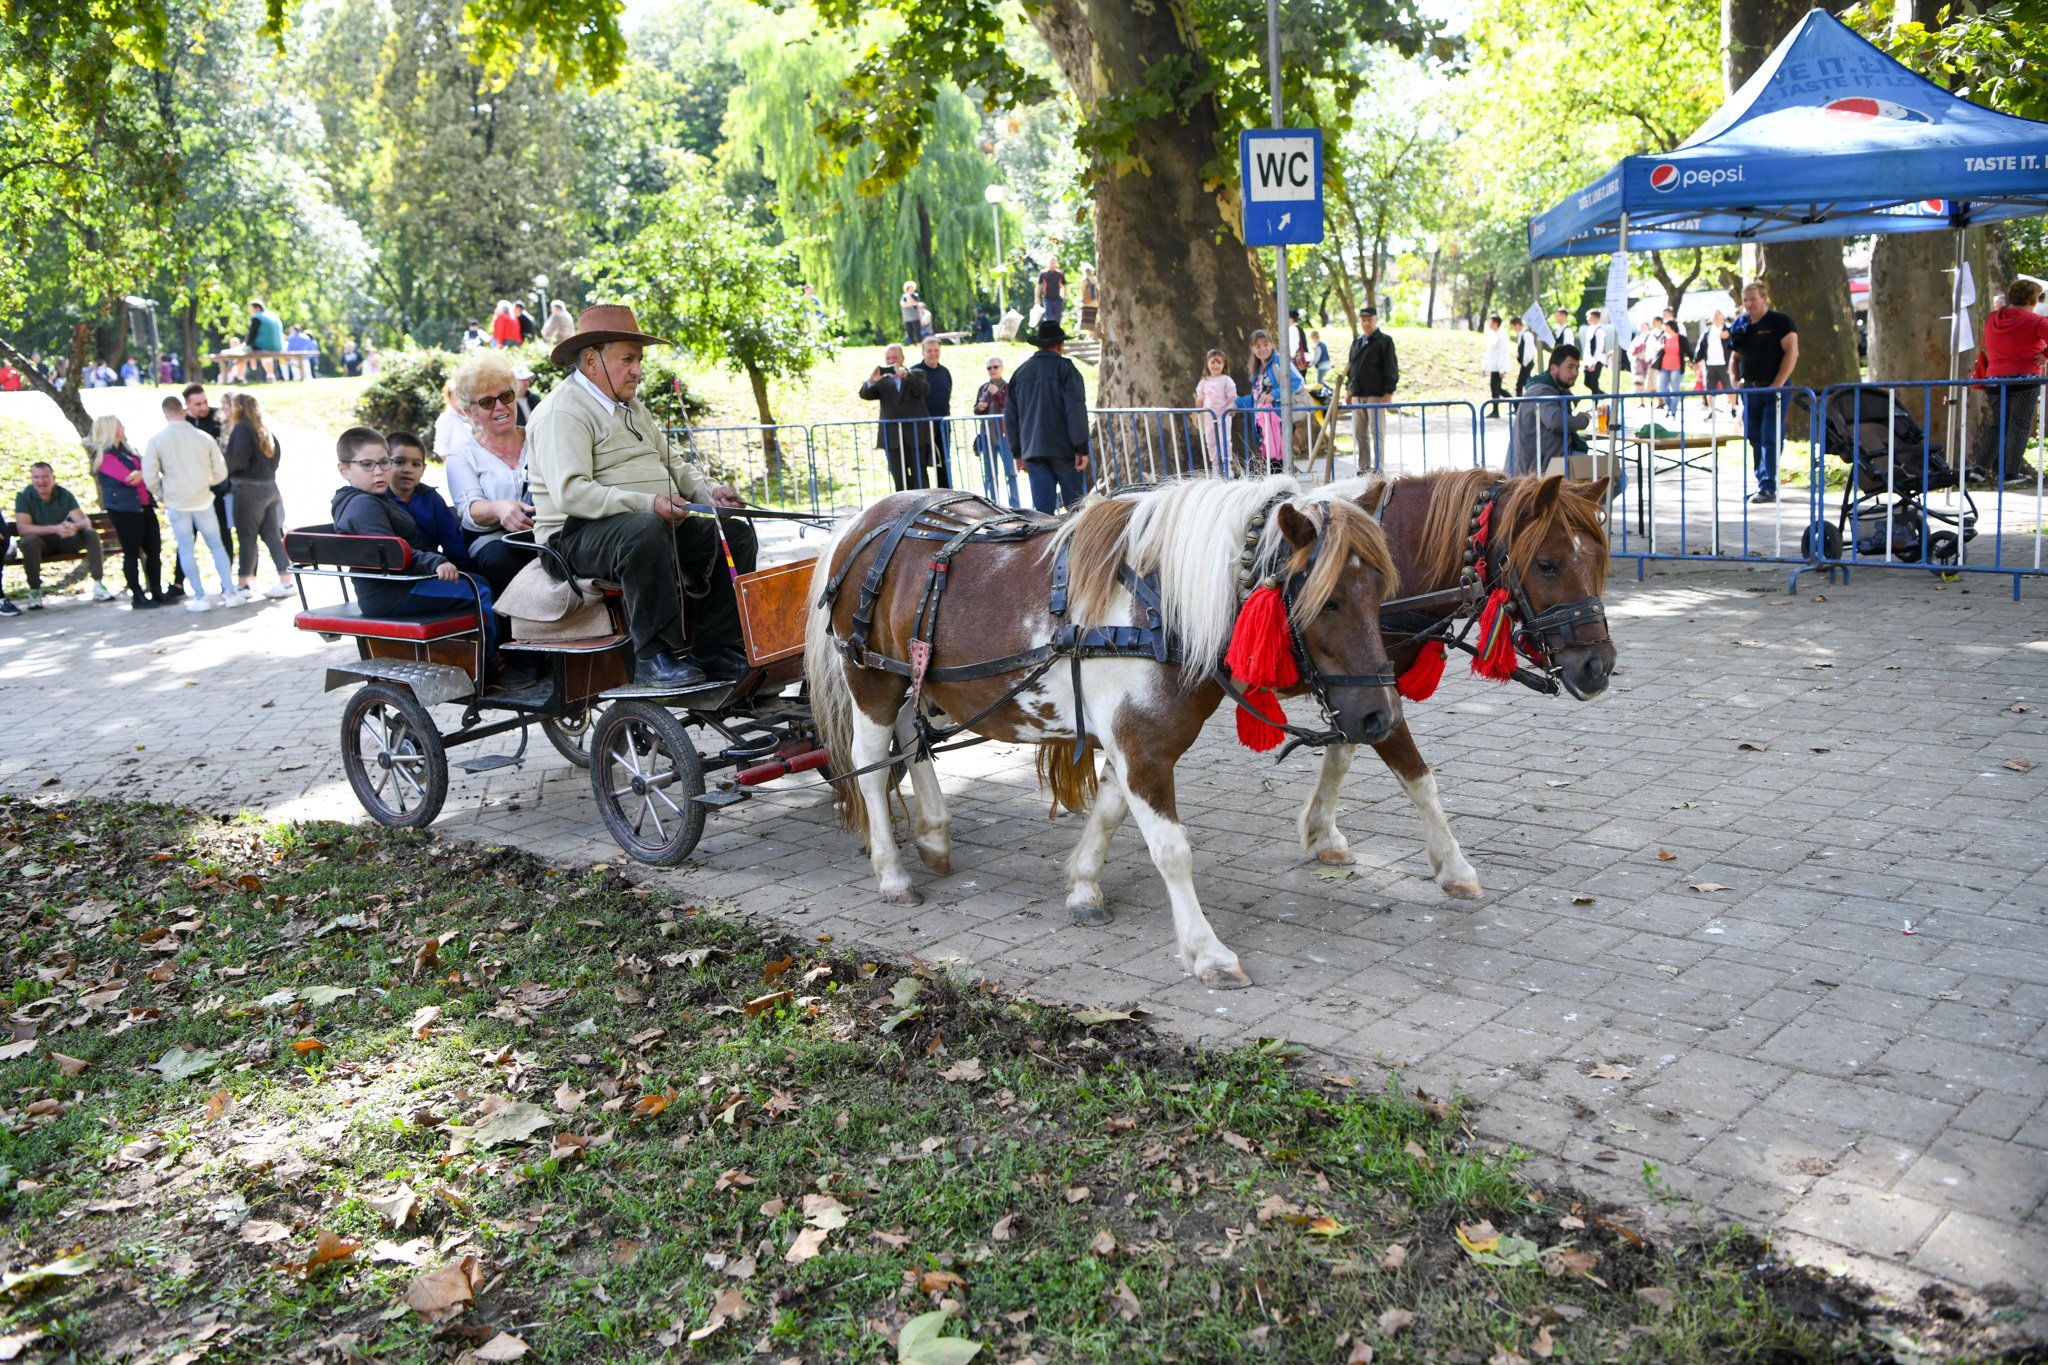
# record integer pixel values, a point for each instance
(393, 756)
(570, 735)
(644, 772)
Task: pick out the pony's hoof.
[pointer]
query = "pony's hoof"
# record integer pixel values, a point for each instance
(1336, 857)
(906, 896)
(1091, 916)
(1465, 890)
(1225, 979)
(940, 862)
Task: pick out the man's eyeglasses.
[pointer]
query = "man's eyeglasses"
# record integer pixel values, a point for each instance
(494, 400)
(374, 466)
(993, 368)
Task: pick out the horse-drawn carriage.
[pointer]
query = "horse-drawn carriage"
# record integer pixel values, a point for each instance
(641, 744)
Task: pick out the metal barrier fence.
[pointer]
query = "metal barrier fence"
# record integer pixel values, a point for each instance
(1683, 465)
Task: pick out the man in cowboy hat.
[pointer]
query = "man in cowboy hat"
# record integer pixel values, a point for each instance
(613, 498)
(1046, 419)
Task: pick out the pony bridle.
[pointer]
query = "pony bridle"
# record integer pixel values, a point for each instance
(1315, 679)
(1538, 636)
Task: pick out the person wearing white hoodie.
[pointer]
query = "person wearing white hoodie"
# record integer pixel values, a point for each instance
(181, 464)
(1498, 359)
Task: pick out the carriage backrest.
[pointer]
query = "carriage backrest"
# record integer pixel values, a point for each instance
(323, 547)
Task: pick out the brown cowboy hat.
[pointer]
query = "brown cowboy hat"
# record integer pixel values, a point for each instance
(599, 323)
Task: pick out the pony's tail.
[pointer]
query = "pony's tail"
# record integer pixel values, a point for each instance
(831, 698)
(1072, 782)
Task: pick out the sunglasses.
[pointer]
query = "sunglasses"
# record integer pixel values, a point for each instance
(997, 366)
(494, 400)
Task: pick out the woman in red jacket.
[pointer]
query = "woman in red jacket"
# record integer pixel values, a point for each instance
(505, 325)
(2015, 338)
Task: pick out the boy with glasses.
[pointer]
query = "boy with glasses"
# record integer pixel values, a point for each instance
(365, 506)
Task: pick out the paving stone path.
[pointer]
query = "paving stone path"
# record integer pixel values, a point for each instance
(1700, 885)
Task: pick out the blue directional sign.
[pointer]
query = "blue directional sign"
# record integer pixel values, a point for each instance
(1282, 174)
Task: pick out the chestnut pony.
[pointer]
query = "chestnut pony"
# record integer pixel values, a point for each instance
(1551, 536)
(1197, 546)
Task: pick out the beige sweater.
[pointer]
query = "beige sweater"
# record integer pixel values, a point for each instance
(181, 464)
(586, 463)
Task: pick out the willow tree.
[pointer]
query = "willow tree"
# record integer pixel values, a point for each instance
(858, 243)
(1164, 89)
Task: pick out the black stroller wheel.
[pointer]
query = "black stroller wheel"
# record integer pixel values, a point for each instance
(1943, 549)
(1827, 535)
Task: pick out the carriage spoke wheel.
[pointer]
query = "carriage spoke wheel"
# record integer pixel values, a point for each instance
(570, 734)
(394, 756)
(644, 770)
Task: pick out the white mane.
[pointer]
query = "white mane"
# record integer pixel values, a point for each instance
(1190, 533)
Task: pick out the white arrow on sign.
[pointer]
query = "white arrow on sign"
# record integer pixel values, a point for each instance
(1285, 219)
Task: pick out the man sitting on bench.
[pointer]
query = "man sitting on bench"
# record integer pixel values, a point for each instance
(613, 499)
(364, 506)
(49, 521)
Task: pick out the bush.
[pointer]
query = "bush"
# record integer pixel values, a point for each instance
(406, 395)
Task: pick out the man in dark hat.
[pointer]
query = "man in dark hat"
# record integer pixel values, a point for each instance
(612, 496)
(1372, 372)
(1047, 422)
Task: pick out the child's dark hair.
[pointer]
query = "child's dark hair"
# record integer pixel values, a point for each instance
(406, 439)
(1215, 354)
(354, 439)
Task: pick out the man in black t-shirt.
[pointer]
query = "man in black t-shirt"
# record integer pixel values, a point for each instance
(1764, 350)
(1052, 290)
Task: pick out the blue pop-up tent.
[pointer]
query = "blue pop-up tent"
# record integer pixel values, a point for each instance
(1830, 138)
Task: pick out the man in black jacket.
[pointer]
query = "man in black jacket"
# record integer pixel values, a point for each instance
(905, 429)
(938, 401)
(1373, 372)
(1047, 421)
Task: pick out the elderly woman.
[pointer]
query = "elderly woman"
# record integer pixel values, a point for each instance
(560, 326)
(487, 470)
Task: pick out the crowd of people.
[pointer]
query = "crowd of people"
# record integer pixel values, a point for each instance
(215, 481)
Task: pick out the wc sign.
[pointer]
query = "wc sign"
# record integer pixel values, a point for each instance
(1282, 172)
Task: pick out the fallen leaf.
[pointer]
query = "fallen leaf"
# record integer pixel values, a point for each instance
(567, 1147)
(70, 1066)
(217, 1105)
(442, 1295)
(423, 1020)
(305, 1045)
(1394, 1320)
(905, 991)
(1543, 1346)
(1658, 1297)
(1582, 900)
(1332, 874)
(328, 1248)
(919, 1343)
(1754, 746)
(513, 1123)
(1561, 1261)
(823, 1211)
(650, 1106)
(1237, 1140)
(1611, 1071)
(413, 1252)
(1126, 1302)
(1478, 1237)
(397, 1207)
(1077, 1193)
(1708, 886)
(939, 1281)
(777, 968)
(1004, 1229)
(1503, 1356)
(1103, 1243)
(1413, 1149)
(1090, 1018)
(808, 1244)
(762, 1004)
(64, 1267)
(729, 1306)
(1361, 1353)
(501, 1347)
(1668, 968)
(892, 1239)
(1665, 855)
(969, 1070)
(567, 1099)
(2018, 765)
(178, 1064)
(1394, 1257)
(258, 1232)
(317, 996)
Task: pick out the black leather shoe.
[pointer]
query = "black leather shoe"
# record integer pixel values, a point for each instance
(174, 593)
(663, 669)
(721, 665)
(1763, 497)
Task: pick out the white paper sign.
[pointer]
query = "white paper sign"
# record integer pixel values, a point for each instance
(1617, 301)
(1540, 325)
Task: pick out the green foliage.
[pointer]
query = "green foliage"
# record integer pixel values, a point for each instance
(930, 224)
(725, 295)
(1993, 55)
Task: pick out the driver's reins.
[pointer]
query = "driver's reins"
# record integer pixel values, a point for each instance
(1449, 614)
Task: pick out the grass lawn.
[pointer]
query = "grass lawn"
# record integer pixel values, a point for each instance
(314, 1091)
(21, 445)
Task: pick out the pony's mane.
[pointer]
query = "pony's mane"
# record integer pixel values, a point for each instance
(1446, 519)
(1190, 533)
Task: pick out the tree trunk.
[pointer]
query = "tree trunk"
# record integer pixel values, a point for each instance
(1346, 295)
(1806, 279)
(1429, 317)
(67, 400)
(188, 338)
(1166, 296)
(771, 449)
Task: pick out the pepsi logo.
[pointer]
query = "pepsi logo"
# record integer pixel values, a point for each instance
(1863, 109)
(1664, 178)
(1937, 207)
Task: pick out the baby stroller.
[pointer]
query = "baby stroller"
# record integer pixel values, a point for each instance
(1893, 465)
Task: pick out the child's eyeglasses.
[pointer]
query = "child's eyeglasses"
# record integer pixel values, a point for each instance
(374, 466)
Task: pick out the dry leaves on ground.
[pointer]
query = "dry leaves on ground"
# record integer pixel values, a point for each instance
(442, 1295)
(729, 1306)
(1394, 1320)
(397, 1207)
(327, 1249)
(502, 1347)
(808, 1244)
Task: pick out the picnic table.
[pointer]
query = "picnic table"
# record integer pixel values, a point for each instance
(1656, 453)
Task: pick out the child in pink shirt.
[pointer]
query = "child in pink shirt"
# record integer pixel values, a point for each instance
(1216, 394)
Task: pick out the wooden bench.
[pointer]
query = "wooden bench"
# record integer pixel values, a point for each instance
(73, 548)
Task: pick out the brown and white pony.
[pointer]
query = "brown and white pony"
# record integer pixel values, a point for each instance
(1552, 535)
(1190, 536)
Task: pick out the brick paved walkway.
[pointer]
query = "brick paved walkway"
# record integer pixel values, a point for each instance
(1794, 1060)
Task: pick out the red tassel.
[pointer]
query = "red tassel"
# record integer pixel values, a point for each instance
(1261, 650)
(1496, 656)
(1419, 682)
(1254, 733)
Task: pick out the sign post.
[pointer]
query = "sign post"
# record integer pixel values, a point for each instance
(1281, 171)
